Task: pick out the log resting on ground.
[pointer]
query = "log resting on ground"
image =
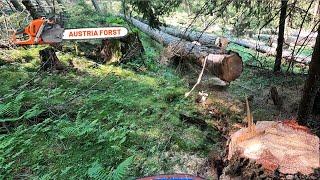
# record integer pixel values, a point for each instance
(304, 34)
(209, 39)
(305, 40)
(260, 47)
(227, 67)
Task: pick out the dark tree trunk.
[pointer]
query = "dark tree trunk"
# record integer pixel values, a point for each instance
(59, 2)
(50, 5)
(277, 63)
(96, 6)
(16, 5)
(311, 96)
(40, 6)
(32, 9)
(316, 105)
(277, 101)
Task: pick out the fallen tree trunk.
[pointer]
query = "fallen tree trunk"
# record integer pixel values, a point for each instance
(227, 67)
(260, 47)
(209, 39)
(203, 38)
(304, 40)
(304, 34)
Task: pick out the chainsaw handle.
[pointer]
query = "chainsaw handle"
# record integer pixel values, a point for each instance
(33, 30)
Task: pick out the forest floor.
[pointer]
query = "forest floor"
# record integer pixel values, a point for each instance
(90, 120)
(106, 114)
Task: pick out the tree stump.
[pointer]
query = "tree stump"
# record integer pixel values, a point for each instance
(110, 51)
(49, 60)
(282, 145)
(131, 47)
(243, 168)
(122, 50)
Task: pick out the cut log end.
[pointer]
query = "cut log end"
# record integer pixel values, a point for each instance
(226, 67)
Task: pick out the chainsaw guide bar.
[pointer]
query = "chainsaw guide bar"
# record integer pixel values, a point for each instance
(95, 33)
(45, 31)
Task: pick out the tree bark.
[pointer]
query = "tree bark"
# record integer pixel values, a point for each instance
(59, 2)
(16, 5)
(227, 67)
(50, 5)
(277, 62)
(203, 38)
(311, 97)
(40, 6)
(32, 9)
(96, 6)
(49, 60)
(316, 105)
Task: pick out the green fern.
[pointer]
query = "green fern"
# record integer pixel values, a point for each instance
(11, 110)
(78, 130)
(96, 171)
(33, 112)
(120, 172)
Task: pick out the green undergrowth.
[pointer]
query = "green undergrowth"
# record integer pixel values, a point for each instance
(258, 75)
(99, 122)
(258, 78)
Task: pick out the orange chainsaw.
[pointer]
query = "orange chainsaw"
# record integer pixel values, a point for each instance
(46, 31)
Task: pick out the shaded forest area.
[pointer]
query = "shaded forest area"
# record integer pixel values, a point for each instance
(208, 89)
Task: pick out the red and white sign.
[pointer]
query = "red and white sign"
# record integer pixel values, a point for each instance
(95, 33)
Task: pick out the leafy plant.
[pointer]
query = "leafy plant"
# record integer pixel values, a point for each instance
(96, 171)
